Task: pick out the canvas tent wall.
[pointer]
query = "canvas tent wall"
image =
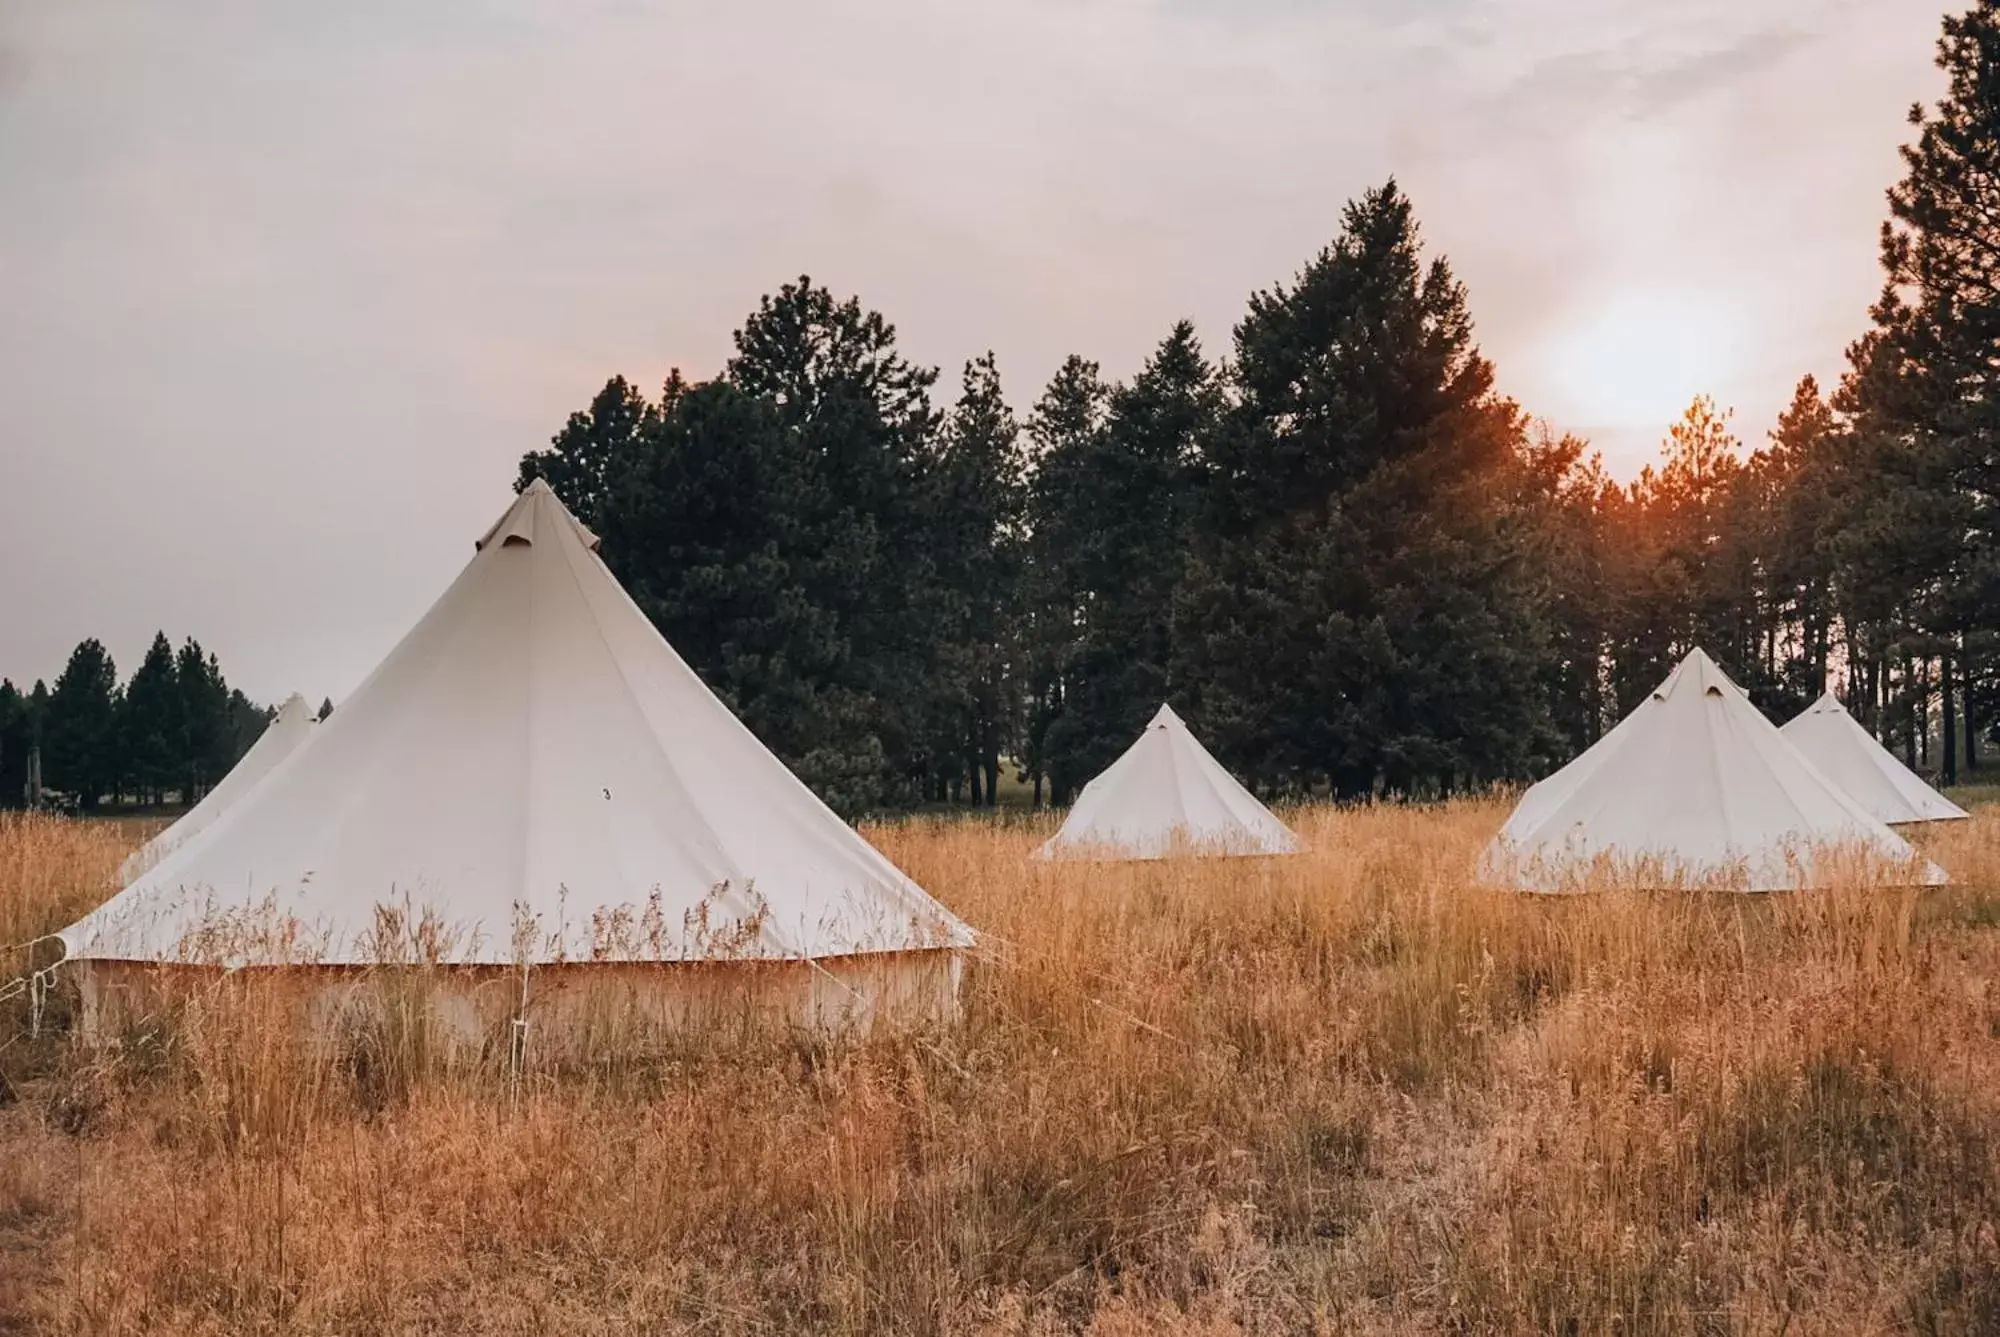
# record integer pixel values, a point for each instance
(1694, 787)
(531, 779)
(290, 731)
(1165, 795)
(1847, 754)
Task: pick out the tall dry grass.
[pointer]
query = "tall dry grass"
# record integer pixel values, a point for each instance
(1344, 1093)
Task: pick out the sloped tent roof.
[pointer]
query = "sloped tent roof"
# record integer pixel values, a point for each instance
(290, 731)
(1697, 783)
(531, 775)
(1167, 794)
(1848, 755)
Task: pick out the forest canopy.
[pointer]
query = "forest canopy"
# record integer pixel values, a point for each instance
(1352, 564)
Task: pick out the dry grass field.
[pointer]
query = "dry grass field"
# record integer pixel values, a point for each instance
(1339, 1093)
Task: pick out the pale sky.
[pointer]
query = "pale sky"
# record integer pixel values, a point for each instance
(286, 290)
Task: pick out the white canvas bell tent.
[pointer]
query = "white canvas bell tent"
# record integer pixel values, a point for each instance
(1848, 755)
(534, 779)
(290, 731)
(1694, 787)
(1167, 795)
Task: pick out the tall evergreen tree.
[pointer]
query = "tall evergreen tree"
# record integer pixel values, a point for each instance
(14, 744)
(1131, 487)
(1062, 437)
(208, 740)
(1796, 474)
(151, 724)
(582, 457)
(1702, 589)
(704, 528)
(80, 729)
(1925, 387)
(975, 498)
(856, 422)
(1567, 498)
(1361, 611)
(247, 722)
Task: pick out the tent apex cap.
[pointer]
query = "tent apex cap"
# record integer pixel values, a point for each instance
(517, 524)
(1701, 671)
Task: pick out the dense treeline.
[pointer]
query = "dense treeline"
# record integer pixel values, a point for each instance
(1336, 548)
(174, 729)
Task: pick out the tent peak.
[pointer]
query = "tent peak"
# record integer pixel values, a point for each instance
(1163, 716)
(537, 513)
(1699, 670)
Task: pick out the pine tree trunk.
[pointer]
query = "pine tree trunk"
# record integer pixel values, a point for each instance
(1950, 722)
(1971, 729)
(992, 778)
(1920, 715)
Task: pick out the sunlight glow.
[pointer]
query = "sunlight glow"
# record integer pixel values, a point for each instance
(1639, 359)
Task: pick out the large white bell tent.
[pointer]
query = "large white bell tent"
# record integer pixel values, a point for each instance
(533, 783)
(1694, 788)
(290, 731)
(1848, 755)
(1167, 795)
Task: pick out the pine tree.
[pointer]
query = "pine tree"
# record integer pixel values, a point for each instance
(14, 744)
(80, 730)
(1925, 386)
(975, 500)
(1131, 486)
(1361, 611)
(859, 432)
(1567, 497)
(325, 709)
(704, 530)
(1797, 479)
(151, 724)
(247, 722)
(582, 458)
(208, 747)
(1063, 434)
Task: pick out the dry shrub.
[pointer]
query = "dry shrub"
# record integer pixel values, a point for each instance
(1346, 1092)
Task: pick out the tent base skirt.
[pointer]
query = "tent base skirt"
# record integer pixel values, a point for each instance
(570, 1010)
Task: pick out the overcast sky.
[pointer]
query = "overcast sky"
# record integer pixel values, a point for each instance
(286, 290)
